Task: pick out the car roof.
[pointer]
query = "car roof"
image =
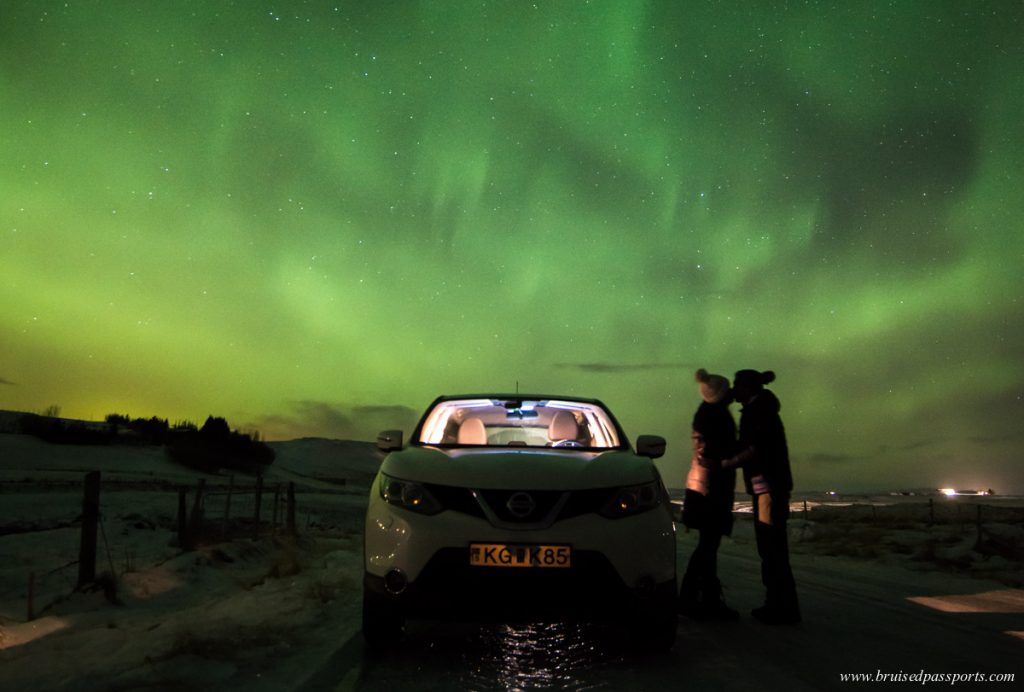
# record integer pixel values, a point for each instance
(517, 396)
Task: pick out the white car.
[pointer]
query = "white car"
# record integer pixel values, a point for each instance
(519, 508)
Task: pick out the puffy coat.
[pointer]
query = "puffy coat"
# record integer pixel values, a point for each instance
(761, 428)
(710, 492)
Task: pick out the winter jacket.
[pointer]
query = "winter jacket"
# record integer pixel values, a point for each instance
(710, 492)
(761, 429)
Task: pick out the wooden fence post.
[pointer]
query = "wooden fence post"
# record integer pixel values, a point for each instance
(227, 503)
(195, 520)
(183, 540)
(259, 499)
(277, 505)
(31, 596)
(291, 508)
(90, 518)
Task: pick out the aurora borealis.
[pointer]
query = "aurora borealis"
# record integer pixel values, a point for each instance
(312, 218)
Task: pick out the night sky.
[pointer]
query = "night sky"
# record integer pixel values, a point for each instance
(313, 218)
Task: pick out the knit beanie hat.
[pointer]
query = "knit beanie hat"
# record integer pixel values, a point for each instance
(713, 388)
(753, 378)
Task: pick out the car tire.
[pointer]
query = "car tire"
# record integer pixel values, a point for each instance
(656, 634)
(654, 626)
(383, 623)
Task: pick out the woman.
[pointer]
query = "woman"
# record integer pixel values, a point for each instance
(709, 498)
(764, 457)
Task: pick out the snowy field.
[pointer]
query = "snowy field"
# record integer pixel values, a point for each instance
(974, 536)
(268, 611)
(259, 608)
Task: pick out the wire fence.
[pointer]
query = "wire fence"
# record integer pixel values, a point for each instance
(929, 511)
(225, 512)
(86, 543)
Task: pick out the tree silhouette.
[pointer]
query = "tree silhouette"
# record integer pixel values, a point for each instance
(215, 429)
(216, 446)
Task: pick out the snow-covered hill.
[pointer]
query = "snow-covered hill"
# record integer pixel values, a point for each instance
(305, 461)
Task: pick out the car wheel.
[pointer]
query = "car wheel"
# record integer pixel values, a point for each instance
(657, 633)
(654, 627)
(383, 623)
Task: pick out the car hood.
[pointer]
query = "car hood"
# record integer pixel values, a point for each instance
(521, 469)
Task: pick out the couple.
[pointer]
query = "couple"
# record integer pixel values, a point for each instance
(762, 454)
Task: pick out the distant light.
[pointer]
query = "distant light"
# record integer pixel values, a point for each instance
(947, 491)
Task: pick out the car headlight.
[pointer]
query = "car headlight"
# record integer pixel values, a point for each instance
(409, 495)
(633, 499)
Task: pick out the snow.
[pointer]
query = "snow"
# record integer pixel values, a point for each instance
(257, 612)
(950, 534)
(273, 611)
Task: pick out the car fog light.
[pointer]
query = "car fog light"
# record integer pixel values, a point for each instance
(395, 581)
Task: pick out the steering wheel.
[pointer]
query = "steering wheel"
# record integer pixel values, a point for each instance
(567, 443)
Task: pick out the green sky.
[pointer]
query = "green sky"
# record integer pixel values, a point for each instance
(313, 218)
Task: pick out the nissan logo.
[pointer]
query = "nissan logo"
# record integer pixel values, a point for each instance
(521, 505)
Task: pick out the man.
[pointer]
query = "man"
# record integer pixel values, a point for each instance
(764, 458)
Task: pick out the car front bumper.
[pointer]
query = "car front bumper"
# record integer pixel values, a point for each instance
(617, 565)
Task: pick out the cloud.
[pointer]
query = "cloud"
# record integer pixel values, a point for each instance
(612, 368)
(395, 412)
(995, 439)
(336, 421)
(828, 458)
(884, 450)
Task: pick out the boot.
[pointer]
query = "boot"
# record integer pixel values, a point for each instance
(713, 607)
(786, 613)
(688, 603)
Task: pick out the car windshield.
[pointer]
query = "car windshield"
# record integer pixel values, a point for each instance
(519, 423)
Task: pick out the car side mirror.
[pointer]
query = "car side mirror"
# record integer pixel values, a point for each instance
(652, 446)
(389, 440)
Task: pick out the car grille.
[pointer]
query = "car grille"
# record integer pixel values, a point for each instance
(456, 499)
(540, 504)
(449, 586)
(465, 501)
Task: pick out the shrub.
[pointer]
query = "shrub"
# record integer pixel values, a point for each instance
(216, 446)
(57, 431)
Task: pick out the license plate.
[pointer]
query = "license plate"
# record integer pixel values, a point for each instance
(504, 555)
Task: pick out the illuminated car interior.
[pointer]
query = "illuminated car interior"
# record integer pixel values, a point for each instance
(519, 423)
